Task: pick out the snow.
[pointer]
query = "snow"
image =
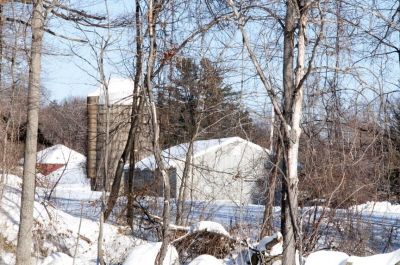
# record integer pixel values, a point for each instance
(71, 176)
(206, 260)
(58, 258)
(340, 258)
(375, 207)
(275, 250)
(387, 258)
(146, 254)
(329, 258)
(57, 230)
(59, 155)
(60, 227)
(209, 226)
(7, 258)
(120, 92)
(178, 152)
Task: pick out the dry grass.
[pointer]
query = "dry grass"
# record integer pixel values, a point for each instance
(204, 242)
(6, 246)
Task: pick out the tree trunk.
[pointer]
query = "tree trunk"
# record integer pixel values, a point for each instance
(290, 117)
(124, 157)
(153, 12)
(138, 74)
(24, 245)
(289, 180)
(293, 98)
(180, 204)
(268, 224)
(131, 182)
(104, 82)
(184, 189)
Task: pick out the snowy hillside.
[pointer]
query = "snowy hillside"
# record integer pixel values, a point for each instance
(68, 227)
(57, 231)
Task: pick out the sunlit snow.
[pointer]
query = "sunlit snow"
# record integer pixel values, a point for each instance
(71, 219)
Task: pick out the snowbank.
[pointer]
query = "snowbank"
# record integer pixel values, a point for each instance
(210, 227)
(274, 250)
(340, 258)
(381, 259)
(56, 231)
(328, 257)
(377, 207)
(58, 258)
(146, 254)
(206, 260)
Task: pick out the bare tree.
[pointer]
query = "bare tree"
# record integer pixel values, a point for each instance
(154, 9)
(12, 81)
(290, 115)
(65, 122)
(28, 188)
(340, 122)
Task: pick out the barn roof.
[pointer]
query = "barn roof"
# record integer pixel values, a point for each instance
(178, 153)
(120, 91)
(59, 154)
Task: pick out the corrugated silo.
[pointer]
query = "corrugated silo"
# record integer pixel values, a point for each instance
(120, 108)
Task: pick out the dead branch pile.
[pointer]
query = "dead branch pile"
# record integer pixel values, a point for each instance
(201, 242)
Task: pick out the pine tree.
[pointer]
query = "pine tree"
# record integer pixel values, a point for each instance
(199, 98)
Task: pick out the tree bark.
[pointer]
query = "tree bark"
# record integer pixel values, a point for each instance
(290, 116)
(24, 245)
(153, 12)
(268, 225)
(137, 106)
(180, 204)
(138, 74)
(293, 99)
(124, 157)
(289, 180)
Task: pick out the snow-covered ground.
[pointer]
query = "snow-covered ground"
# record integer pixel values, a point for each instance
(67, 226)
(57, 231)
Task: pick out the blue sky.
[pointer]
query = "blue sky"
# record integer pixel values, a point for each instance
(67, 75)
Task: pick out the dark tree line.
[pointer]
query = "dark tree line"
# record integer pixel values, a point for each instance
(198, 103)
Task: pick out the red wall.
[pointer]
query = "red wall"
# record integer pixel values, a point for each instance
(46, 169)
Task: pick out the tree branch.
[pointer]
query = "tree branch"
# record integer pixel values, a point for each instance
(45, 29)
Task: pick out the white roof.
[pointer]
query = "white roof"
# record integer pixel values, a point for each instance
(59, 154)
(177, 153)
(120, 91)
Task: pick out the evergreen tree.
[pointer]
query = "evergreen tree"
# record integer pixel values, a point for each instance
(201, 105)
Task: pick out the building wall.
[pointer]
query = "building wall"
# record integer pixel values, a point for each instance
(149, 183)
(46, 169)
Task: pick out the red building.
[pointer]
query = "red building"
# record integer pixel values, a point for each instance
(55, 157)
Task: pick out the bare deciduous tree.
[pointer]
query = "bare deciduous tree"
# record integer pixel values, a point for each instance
(28, 188)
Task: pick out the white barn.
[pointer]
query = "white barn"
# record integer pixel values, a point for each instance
(221, 169)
